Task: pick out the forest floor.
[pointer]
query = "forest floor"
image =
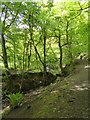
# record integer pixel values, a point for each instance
(66, 98)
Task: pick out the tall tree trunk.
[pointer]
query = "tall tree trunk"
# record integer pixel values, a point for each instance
(4, 28)
(60, 49)
(38, 55)
(70, 49)
(31, 36)
(30, 23)
(4, 52)
(45, 55)
(27, 55)
(69, 42)
(67, 25)
(44, 69)
(30, 46)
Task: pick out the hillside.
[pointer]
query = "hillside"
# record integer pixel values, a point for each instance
(66, 98)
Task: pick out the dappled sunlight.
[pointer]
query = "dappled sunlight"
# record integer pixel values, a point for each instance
(55, 91)
(44, 59)
(87, 66)
(81, 87)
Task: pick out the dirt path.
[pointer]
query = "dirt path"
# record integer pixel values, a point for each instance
(66, 98)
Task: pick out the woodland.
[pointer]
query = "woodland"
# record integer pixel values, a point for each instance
(40, 42)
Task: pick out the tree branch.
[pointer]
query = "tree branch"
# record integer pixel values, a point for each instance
(64, 44)
(13, 18)
(1, 56)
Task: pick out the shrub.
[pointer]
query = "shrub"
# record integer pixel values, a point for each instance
(15, 99)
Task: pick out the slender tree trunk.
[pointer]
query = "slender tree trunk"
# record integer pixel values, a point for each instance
(38, 54)
(70, 49)
(4, 28)
(4, 52)
(29, 56)
(45, 55)
(30, 47)
(60, 49)
(44, 69)
(69, 43)
(30, 23)
(36, 50)
(67, 32)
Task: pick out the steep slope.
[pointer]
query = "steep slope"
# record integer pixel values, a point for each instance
(66, 98)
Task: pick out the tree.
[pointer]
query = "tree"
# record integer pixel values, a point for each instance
(37, 35)
(6, 12)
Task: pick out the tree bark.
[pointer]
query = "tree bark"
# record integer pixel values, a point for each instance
(31, 38)
(45, 55)
(29, 56)
(68, 42)
(60, 49)
(4, 52)
(30, 46)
